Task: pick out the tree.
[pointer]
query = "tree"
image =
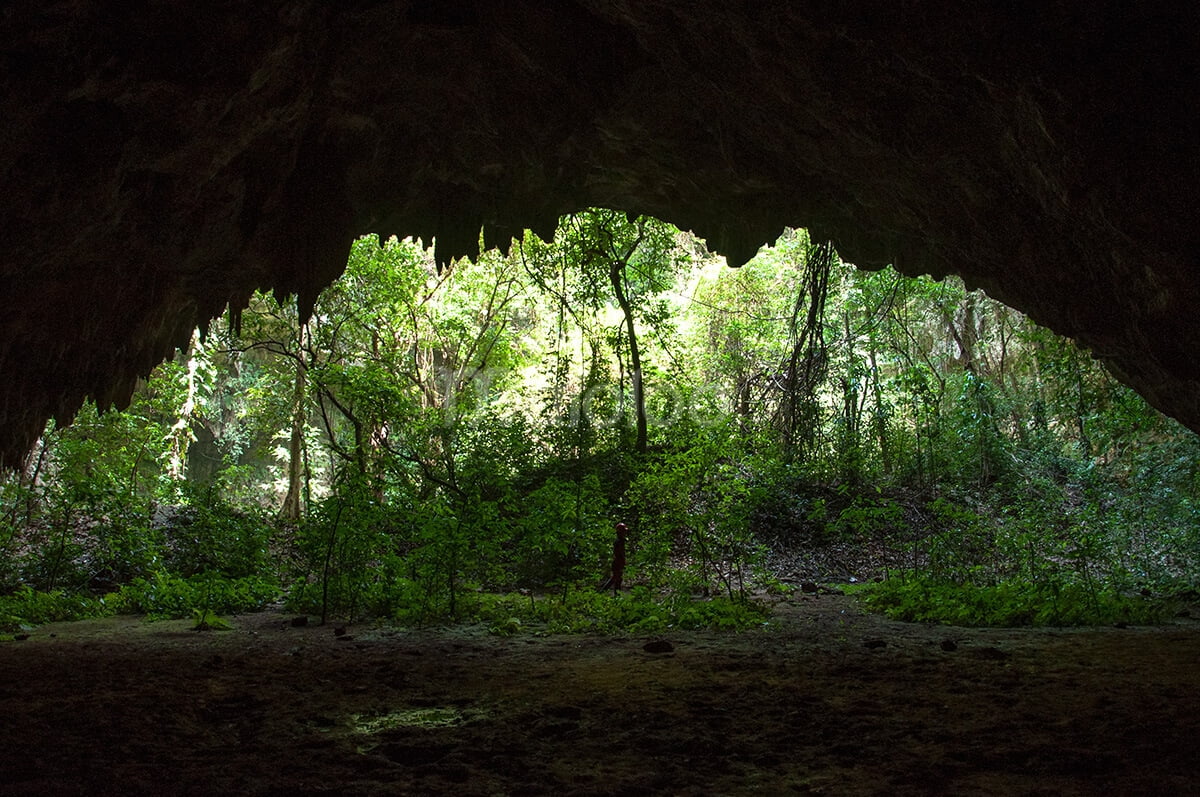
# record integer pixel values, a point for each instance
(634, 259)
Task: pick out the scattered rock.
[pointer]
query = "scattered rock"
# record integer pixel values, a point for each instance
(658, 646)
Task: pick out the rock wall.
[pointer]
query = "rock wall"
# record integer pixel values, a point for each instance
(163, 159)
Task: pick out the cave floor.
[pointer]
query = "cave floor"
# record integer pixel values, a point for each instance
(826, 700)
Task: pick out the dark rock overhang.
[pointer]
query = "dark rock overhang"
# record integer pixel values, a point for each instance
(163, 159)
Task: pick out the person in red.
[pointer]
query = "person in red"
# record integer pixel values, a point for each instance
(617, 574)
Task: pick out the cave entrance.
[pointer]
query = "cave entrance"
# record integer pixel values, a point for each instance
(459, 440)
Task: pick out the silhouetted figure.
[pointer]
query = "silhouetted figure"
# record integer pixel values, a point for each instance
(617, 573)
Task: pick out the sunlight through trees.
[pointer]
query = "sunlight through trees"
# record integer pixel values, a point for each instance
(428, 442)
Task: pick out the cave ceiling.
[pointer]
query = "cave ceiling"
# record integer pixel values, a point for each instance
(162, 160)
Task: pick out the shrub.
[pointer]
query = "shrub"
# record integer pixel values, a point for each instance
(208, 533)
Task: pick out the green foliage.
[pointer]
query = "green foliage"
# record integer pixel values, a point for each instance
(340, 544)
(163, 596)
(869, 515)
(444, 434)
(87, 541)
(638, 611)
(207, 533)
(29, 607)
(561, 535)
(958, 544)
(207, 620)
(693, 503)
(916, 597)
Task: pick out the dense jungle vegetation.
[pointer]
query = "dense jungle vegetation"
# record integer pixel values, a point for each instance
(428, 446)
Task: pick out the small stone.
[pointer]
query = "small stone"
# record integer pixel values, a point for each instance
(949, 645)
(658, 646)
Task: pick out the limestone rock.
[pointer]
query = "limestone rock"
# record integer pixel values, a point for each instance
(163, 159)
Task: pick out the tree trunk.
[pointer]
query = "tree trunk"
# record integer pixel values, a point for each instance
(881, 426)
(291, 502)
(796, 417)
(616, 272)
(181, 431)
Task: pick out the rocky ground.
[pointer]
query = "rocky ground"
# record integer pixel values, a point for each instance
(824, 700)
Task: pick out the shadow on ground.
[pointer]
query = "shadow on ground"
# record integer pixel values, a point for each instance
(826, 700)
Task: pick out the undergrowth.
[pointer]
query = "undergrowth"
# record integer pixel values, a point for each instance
(913, 597)
(28, 607)
(173, 597)
(638, 611)
(203, 598)
(158, 597)
(575, 611)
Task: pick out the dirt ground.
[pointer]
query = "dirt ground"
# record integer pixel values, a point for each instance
(826, 700)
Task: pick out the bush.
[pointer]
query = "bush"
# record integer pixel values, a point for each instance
(341, 545)
(164, 596)
(208, 533)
